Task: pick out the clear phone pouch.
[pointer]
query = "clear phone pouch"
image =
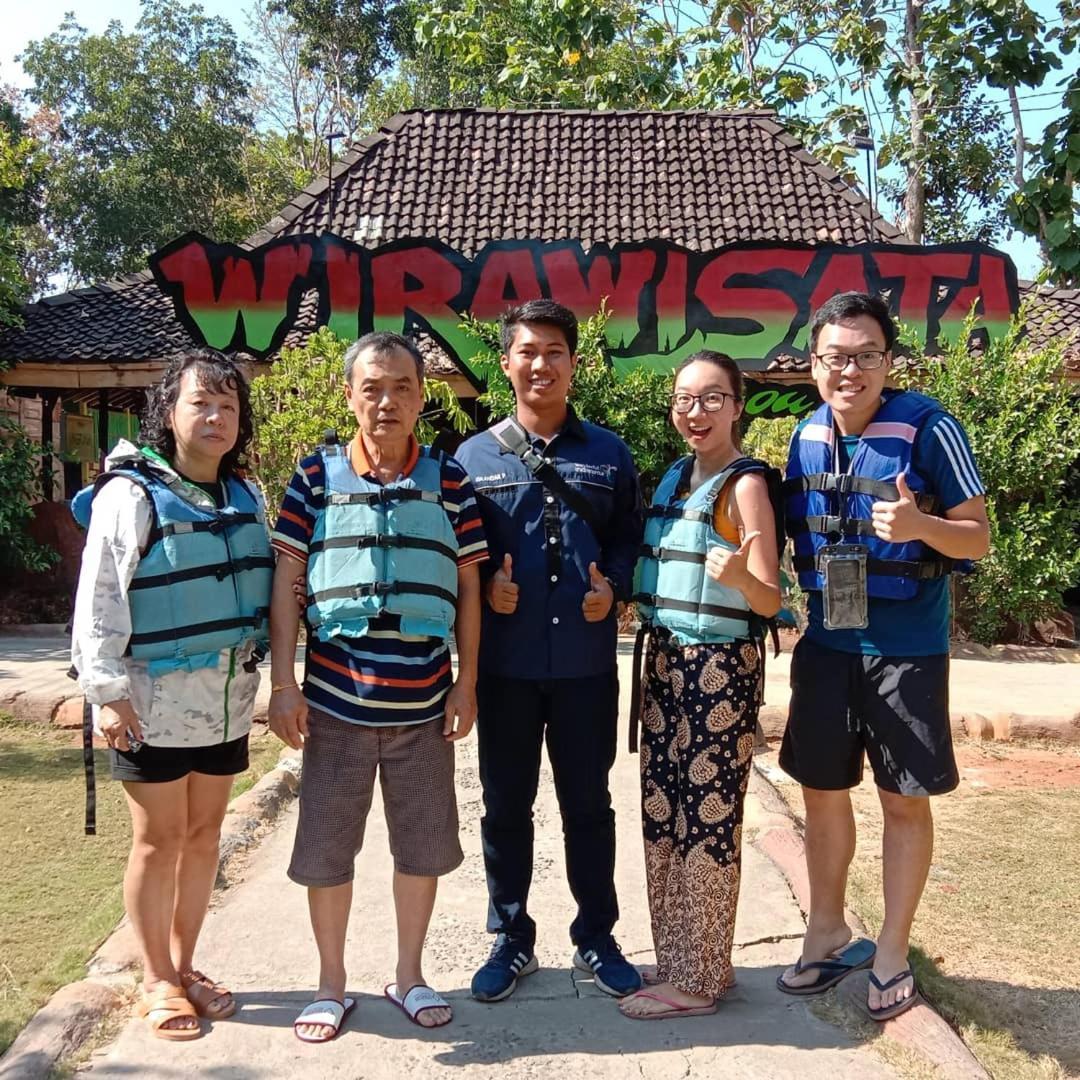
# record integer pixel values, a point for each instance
(843, 571)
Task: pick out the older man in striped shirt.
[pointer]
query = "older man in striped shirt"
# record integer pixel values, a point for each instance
(389, 537)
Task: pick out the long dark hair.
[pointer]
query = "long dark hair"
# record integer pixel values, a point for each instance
(724, 363)
(217, 373)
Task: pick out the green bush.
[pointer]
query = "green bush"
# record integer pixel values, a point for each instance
(303, 394)
(1023, 421)
(634, 405)
(20, 484)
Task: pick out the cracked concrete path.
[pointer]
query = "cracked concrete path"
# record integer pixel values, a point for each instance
(258, 942)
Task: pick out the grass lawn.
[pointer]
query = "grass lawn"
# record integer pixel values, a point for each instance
(61, 892)
(996, 939)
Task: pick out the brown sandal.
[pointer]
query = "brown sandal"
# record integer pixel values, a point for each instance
(207, 993)
(164, 1004)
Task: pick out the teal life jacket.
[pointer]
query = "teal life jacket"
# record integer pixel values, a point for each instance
(204, 577)
(672, 589)
(382, 549)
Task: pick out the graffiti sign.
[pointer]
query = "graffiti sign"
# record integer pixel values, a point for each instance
(750, 300)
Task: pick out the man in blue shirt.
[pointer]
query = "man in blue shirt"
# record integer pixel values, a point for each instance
(884, 499)
(547, 655)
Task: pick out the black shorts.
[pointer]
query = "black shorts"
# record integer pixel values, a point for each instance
(895, 708)
(161, 764)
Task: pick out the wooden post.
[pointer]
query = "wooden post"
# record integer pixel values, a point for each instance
(103, 426)
(48, 404)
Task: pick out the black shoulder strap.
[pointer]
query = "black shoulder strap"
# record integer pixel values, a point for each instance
(511, 436)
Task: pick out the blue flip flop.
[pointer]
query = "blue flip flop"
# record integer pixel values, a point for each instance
(853, 956)
(897, 1007)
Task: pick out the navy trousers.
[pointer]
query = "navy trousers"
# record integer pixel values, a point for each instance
(577, 718)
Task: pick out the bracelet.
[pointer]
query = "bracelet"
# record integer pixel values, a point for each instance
(281, 686)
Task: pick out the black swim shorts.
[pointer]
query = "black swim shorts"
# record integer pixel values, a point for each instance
(895, 709)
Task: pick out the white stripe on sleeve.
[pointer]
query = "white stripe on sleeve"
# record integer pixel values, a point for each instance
(952, 442)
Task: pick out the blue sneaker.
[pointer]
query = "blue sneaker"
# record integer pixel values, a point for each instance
(510, 959)
(611, 971)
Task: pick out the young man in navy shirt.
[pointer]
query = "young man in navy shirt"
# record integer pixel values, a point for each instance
(547, 654)
(891, 473)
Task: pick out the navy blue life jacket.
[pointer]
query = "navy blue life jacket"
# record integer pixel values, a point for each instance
(825, 506)
(203, 580)
(382, 549)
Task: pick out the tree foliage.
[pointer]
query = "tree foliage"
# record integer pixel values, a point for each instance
(22, 171)
(303, 395)
(1023, 422)
(150, 142)
(20, 466)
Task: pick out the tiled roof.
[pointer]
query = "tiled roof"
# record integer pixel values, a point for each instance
(466, 176)
(700, 179)
(1055, 315)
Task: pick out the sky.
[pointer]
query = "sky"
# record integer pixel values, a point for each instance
(31, 21)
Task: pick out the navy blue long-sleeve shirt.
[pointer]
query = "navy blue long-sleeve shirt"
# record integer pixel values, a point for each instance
(547, 637)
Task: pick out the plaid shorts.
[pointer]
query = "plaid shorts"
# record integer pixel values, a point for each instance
(416, 770)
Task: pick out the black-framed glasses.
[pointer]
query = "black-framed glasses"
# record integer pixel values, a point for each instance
(711, 400)
(869, 360)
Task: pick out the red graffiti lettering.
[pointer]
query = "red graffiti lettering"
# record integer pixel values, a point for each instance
(507, 277)
(582, 290)
(919, 275)
(344, 288)
(420, 280)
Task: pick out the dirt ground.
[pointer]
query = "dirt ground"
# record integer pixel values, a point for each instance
(998, 923)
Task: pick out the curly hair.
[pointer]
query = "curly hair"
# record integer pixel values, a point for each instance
(215, 372)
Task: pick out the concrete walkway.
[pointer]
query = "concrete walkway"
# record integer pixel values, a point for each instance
(258, 942)
(1021, 692)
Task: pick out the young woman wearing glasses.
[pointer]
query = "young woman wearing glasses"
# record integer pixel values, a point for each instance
(707, 580)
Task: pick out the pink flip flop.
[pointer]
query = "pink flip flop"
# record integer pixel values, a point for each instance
(674, 1009)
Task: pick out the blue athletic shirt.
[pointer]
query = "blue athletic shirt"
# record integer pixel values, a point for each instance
(919, 626)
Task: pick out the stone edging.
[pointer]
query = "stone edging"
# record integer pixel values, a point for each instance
(72, 1015)
(920, 1030)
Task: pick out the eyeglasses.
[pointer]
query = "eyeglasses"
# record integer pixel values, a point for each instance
(864, 361)
(711, 401)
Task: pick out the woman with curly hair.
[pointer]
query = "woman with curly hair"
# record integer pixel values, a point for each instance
(170, 622)
(707, 581)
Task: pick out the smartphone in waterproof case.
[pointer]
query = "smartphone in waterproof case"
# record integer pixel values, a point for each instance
(843, 571)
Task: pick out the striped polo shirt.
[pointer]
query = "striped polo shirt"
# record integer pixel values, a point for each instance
(384, 677)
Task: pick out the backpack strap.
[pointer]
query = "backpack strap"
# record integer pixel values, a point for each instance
(512, 437)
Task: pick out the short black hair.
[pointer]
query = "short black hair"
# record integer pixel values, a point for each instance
(382, 343)
(217, 373)
(850, 305)
(544, 312)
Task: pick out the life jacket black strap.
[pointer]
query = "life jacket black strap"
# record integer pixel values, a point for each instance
(717, 610)
(846, 484)
(635, 685)
(675, 513)
(90, 823)
(383, 540)
(215, 526)
(831, 523)
(921, 570)
(384, 588)
(382, 495)
(177, 633)
(218, 570)
(649, 552)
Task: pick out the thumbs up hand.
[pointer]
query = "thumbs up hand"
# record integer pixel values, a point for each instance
(502, 593)
(599, 598)
(900, 521)
(729, 567)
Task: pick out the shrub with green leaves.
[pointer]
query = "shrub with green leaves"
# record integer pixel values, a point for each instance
(634, 405)
(20, 481)
(1022, 417)
(303, 394)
